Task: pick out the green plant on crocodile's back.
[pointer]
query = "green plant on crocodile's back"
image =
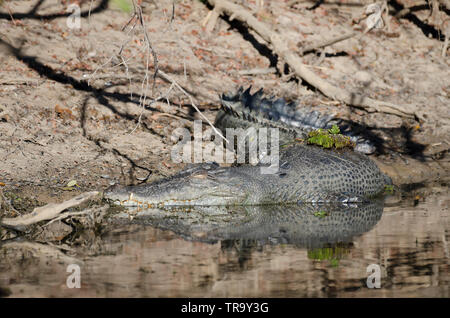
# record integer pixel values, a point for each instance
(329, 138)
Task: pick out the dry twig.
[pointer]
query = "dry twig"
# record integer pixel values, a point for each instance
(166, 77)
(325, 43)
(47, 212)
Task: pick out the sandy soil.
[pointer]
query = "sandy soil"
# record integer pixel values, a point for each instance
(54, 127)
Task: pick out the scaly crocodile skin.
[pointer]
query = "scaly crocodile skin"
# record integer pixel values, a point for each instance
(306, 173)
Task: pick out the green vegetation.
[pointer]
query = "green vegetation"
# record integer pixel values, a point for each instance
(329, 138)
(331, 254)
(124, 5)
(334, 130)
(389, 189)
(321, 214)
(71, 185)
(334, 262)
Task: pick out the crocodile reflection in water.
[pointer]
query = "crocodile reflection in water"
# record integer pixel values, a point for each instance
(304, 225)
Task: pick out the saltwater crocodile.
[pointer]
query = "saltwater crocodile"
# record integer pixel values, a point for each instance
(305, 174)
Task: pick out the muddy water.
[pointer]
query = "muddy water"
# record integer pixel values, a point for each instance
(410, 244)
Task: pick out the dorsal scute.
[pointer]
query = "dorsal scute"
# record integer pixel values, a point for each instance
(278, 113)
(255, 107)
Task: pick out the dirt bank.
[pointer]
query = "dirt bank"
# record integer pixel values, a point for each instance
(55, 126)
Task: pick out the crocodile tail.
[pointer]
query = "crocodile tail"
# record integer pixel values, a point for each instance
(256, 107)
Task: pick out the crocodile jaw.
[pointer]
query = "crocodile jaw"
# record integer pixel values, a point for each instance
(147, 196)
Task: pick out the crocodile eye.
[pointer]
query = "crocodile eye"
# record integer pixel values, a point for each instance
(285, 165)
(282, 174)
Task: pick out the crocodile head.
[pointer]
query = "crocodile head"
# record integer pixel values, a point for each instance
(206, 184)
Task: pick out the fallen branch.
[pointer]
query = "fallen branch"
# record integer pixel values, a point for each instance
(66, 215)
(46, 212)
(279, 44)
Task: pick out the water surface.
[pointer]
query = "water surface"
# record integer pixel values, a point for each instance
(315, 252)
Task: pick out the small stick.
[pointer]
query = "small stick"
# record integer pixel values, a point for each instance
(326, 43)
(212, 21)
(168, 78)
(446, 31)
